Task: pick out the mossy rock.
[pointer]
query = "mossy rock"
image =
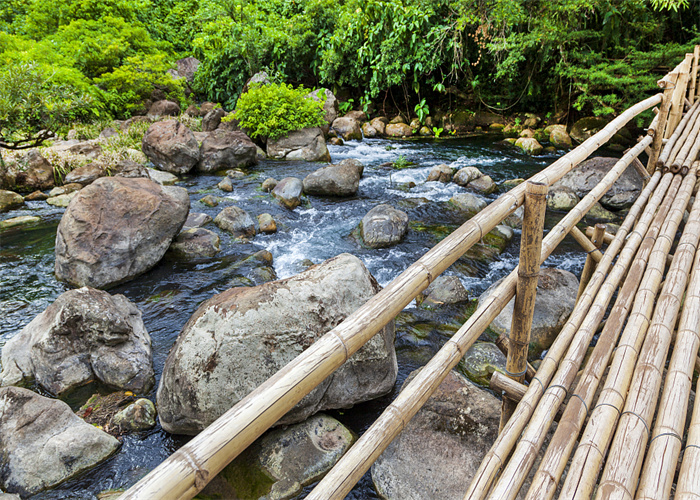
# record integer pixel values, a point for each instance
(480, 361)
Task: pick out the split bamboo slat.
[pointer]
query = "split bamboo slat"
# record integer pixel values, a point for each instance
(340, 480)
(596, 437)
(607, 239)
(624, 461)
(190, 468)
(658, 131)
(495, 458)
(586, 244)
(688, 486)
(526, 288)
(674, 144)
(694, 75)
(589, 265)
(518, 467)
(665, 446)
(555, 459)
(678, 99)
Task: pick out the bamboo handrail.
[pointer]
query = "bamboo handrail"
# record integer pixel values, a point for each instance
(660, 129)
(694, 74)
(505, 442)
(589, 265)
(562, 442)
(526, 288)
(677, 101)
(340, 480)
(597, 434)
(624, 460)
(189, 469)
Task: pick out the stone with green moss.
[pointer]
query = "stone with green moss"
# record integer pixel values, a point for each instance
(481, 360)
(23, 220)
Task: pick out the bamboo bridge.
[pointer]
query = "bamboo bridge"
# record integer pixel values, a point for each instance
(620, 435)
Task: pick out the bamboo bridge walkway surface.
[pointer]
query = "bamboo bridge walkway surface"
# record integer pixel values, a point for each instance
(616, 425)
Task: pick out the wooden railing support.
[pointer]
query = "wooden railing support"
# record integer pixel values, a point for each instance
(589, 266)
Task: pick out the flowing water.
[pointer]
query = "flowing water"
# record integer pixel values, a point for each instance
(319, 229)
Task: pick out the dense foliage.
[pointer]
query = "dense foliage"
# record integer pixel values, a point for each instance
(592, 55)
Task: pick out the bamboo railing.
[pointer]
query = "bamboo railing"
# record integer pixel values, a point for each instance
(655, 212)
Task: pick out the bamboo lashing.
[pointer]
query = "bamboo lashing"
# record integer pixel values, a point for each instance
(624, 460)
(586, 244)
(526, 288)
(665, 446)
(607, 239)
(589, 265)
(694, 74)
(688, 486)
(659, 129)
(677, 101)
(502, 342)
(505, 442)
(597, 434)
(189, 469)
(340, 480)
(555, 459)
(671, 148)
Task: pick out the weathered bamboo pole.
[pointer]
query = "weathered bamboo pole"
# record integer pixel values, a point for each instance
(688, 486)
(692, 155)
(340, 480)
(555, 459)
(586, 244)
(694, 75)
(502, 342)
(526, 289)
(596, 437)
(589, 266)
(626, 453)
(688, 138)
(679, 137)
(505, 442)
(659, 130)
(190, 468)
(607, 238)
(665, 446)
(677, 101)
(500, 383)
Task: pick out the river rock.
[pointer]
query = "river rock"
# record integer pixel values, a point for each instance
(483, 185)
(62, 200)
(236, 221)
(163, 178)
(440, 173)
(284, 461)
(195, 243)
(398, 130)
(210, 201)
(561, 198)
(515, 220)
(556, 297)
(187, 67)
(347, 128)
(330, 104)
(558, 136)
(22, 220)
(586, 127)
(212, 119)
(368, 130)
(379, 124)
(468, 203)
(267, 224)
(383, 226)
(288, 192)
(85, 335)
(164, 107)
(269, 184)
(480, 361)
(138, 416)
(443, 291)
(224, 149)
(117, 228)
(305, 144)
(197, 219)
(239, 338)
(599, 213)
(342, 179)
(65, 189)
(171, 146)
(466, 175)
(226, 185)
(43, 443)
(32, 172)
(582, 179)
(439, 451)
(529, 145)
(87, 174)
(9, 200)
(130, 169)
(36, 196)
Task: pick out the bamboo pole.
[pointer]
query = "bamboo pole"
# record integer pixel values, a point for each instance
(692, 155)
(340, 480)
(589, 266)
(688, 486)
(694, 74)
(526, 289)
(190, 468)
(555, 459)
(665, 447)
(675, 142)
(607, 238)
(586, 244)
(626, 453)
(658, 134)
(597, 434)
(677, 101)
(505, 442)
(501, 384)
(686, 140)
(502, 342)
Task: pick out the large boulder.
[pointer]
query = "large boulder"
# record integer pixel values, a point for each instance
(330, 104)
(398, 130)
(43, 442)
(224, 149)
(117, 228)
(186, 68)
(586, 127)
(305, 144)
(212, 119)
(164, 108)
(288, 192)
(555, 300)
(171, 147)
(86, 174)
(195, 243)
(236, 221)
(466, 175)
(342, 179)
(30, 173)
(347, 128)
(86, 335)
(441, 173)
(467, 203)
(383, 226)
(529, 145)
(238, 339)
(582, 179)
(439, 451)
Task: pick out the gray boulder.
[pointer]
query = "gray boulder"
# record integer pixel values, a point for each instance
(529, 145)
(398, 130)
(195, 242)
(440, 173)
(467, 203)
(443, 291)
(164, 108)
(212, 119)
(561, 198)
(86, 174)
(342, 179)
(288, 192)
(347, 128)
(43, 442)
(117, 228)
(236, 221)
(305, 144)
(171, 147)
(582, 179)
(556, 298)
(383, 226)
(483, 185)
(86, 335)
(138, 416)
(32, 172)
(224, 149)
(330, 105)
(238, 339)
(186, 68)
(197, 219)
(379, 124)
(466, 175)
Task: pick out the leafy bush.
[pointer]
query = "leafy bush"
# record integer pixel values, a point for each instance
(274, 110)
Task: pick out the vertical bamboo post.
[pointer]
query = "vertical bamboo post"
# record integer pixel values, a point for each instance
(526, 289)
(678, 99)
(659, 131)
(589, 266)
(694, 75)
